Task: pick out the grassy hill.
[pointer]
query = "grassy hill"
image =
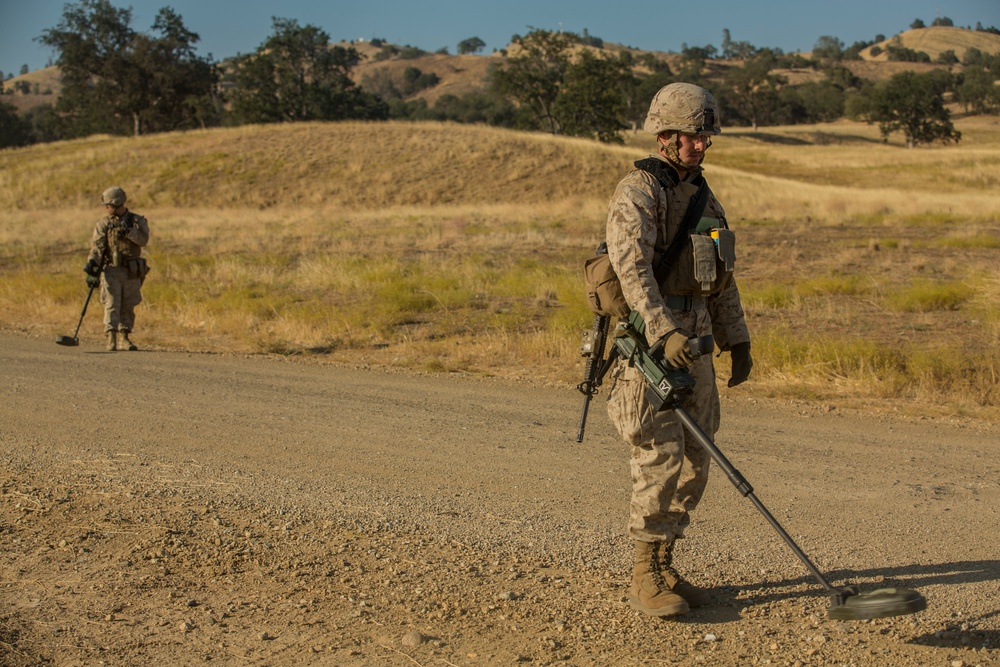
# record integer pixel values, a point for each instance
(353, 165)
(936, 40)
(868, 270)
(47, 82)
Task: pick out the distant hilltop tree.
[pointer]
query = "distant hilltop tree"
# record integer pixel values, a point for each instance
(116, 79)
(553, 92)
(913, 104)
(902, 54)
(295, 75)
(736, 50)
(470, 45)
(590, 40)
(828, 48)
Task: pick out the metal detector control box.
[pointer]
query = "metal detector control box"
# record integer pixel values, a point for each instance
(666, 386)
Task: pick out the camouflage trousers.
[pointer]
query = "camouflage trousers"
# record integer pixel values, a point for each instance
(120, 295)
(669, 468)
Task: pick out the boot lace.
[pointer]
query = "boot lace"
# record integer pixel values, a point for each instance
(667, 565)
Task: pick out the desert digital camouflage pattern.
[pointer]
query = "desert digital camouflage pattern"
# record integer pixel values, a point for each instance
(683, 107)
(106, 242)
(643, 217)
(123, 274)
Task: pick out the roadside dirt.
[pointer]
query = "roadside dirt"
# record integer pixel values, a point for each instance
(167, 508)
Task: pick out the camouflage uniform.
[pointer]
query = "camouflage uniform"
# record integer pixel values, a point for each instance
(668, 478)
(117, 243)
(691, 293)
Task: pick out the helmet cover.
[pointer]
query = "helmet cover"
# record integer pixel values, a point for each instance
(683, 107)
(114, 196)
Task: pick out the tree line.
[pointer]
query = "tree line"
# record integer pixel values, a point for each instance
(117, 80)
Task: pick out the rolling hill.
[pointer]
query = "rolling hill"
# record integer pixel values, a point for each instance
(462, 74)
(936, 40)
(346, 165)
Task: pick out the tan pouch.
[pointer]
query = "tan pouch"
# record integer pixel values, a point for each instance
(703, 247)
(604, 290)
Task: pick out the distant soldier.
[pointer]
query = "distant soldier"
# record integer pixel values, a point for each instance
(679, 295)
(115, 250)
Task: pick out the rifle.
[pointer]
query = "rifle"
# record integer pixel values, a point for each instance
(592, 347)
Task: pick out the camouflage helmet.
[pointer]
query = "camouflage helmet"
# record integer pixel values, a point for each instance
(114, 196)
(684, 107)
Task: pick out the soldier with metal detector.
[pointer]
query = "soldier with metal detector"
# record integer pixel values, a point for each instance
(115, 253)
(673, 253)
(666, 273)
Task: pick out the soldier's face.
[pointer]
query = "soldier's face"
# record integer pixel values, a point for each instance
(692, 147)
(114, 210)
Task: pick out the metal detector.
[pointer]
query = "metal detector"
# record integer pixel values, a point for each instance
(667, 387)
(73, 341)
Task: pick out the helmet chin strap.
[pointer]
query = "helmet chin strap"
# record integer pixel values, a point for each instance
(672, 151)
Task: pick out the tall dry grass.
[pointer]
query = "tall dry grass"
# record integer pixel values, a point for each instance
(868, 270)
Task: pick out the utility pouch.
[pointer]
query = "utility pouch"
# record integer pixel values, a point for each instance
(137, 268)
(703, 247)
(726, 241)
(706, 265)
(604, 290)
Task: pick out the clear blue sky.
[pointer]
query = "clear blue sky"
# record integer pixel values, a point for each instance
(240, 26)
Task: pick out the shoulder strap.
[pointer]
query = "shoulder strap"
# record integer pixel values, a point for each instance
(691, 218)
(659, 171)
(668, 179)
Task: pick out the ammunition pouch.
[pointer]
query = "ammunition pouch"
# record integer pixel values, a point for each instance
(137, 268)
(706, 265)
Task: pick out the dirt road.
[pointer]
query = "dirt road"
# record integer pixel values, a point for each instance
(165, 508)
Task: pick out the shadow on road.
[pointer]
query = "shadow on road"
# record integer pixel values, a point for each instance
(960, 633)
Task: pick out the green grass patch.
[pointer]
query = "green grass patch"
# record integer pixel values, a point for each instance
(843, 284)
(889, 371)
(924, 296)
(983, 240)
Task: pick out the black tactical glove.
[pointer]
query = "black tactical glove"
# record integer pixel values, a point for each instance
(675, 348)
(93, 281)
(742, 363)
(92, 268)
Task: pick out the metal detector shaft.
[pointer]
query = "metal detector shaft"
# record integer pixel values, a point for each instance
(743, 486)
(84, 312)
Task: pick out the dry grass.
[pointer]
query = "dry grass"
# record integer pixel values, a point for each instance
(868, 271)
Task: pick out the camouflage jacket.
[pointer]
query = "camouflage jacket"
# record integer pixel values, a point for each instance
(643, 218)
(126, 234)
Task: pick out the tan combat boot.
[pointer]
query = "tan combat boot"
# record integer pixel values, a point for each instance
(651, 594)
(127, 342)
(112, 341)
(694, 596)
